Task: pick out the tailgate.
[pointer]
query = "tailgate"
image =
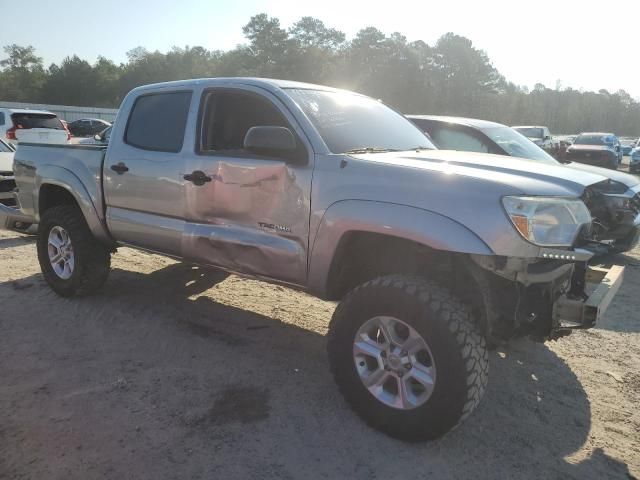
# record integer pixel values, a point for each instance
(41, 135)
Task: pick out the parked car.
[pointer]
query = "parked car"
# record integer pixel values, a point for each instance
(634, 161)
(31, 126)
(87, 127)
(7, 180)
(627, 145)
(595, 148)
(334, 193)
(541, 136)
(615, 208)
(100, 138)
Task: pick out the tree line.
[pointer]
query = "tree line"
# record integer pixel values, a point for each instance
(451, 77)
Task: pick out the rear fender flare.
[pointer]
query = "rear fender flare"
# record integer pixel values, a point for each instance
(61, 177)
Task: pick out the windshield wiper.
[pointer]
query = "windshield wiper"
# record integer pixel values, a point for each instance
(370, 150)
(419, 147)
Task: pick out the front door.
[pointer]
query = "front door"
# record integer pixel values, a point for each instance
(247, 213)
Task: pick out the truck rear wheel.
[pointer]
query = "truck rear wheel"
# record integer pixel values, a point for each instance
(73, 262)
(408, 357)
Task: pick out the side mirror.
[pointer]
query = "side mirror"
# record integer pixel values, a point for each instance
(547, 137)
(97, 137)
(265, 140)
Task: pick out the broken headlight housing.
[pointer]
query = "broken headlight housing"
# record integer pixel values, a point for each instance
(547, 221)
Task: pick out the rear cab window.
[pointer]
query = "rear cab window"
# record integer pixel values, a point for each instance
(36, 120)
(158, 120)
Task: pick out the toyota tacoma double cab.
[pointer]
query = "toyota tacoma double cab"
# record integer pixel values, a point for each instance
(433, 255)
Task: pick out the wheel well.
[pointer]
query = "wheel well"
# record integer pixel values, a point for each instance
(362, 256)
(52, 196)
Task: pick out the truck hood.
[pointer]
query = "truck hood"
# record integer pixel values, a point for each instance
(529, 177)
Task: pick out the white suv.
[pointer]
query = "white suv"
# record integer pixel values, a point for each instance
(31, 126)
(7, 181)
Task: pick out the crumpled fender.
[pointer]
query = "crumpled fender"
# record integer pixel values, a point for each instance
(416, 224)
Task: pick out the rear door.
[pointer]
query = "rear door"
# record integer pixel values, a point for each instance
(39, 128)
(249, 213)
(143, 184)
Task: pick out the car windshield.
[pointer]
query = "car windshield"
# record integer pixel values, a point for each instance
(36, 120)
(593, 140)
(530, 132)
(517, 145)
(348, 122)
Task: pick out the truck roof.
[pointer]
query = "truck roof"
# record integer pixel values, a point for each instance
(470, 122)
(268, 83)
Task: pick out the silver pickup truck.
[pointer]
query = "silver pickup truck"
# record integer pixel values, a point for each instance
(434, 255)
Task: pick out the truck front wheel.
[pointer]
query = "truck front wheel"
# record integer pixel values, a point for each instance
(408, 357)
(73, 262)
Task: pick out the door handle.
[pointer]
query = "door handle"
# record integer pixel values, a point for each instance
(119, 168)
(197, 177)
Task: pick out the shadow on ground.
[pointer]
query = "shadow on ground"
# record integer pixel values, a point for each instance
(154, 378)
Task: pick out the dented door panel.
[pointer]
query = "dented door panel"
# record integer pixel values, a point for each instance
(252, 217)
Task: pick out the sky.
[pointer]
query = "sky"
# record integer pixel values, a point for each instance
(583, 45)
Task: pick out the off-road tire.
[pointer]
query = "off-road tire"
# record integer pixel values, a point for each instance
(92, 258)
(459, 353)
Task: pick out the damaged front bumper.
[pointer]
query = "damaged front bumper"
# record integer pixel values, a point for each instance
(544, 298)
(601, 285)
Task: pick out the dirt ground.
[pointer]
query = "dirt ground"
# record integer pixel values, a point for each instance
(177, 372)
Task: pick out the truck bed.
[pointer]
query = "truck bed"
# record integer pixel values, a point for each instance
(80, 163)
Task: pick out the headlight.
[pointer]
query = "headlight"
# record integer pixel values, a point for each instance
(547, 221)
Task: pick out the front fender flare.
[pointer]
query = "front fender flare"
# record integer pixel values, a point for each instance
(61, 177)
(421, 226)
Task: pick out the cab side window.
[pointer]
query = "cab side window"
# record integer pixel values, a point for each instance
(227, 116)
(157, 121)
(457, 139)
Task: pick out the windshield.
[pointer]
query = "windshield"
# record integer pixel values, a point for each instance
(593, 140)
(36, 120)
(350, 122)
(530, 132)
(517, 145)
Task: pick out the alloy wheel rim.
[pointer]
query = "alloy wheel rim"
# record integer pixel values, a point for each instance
(60, 250)
(394, 362)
